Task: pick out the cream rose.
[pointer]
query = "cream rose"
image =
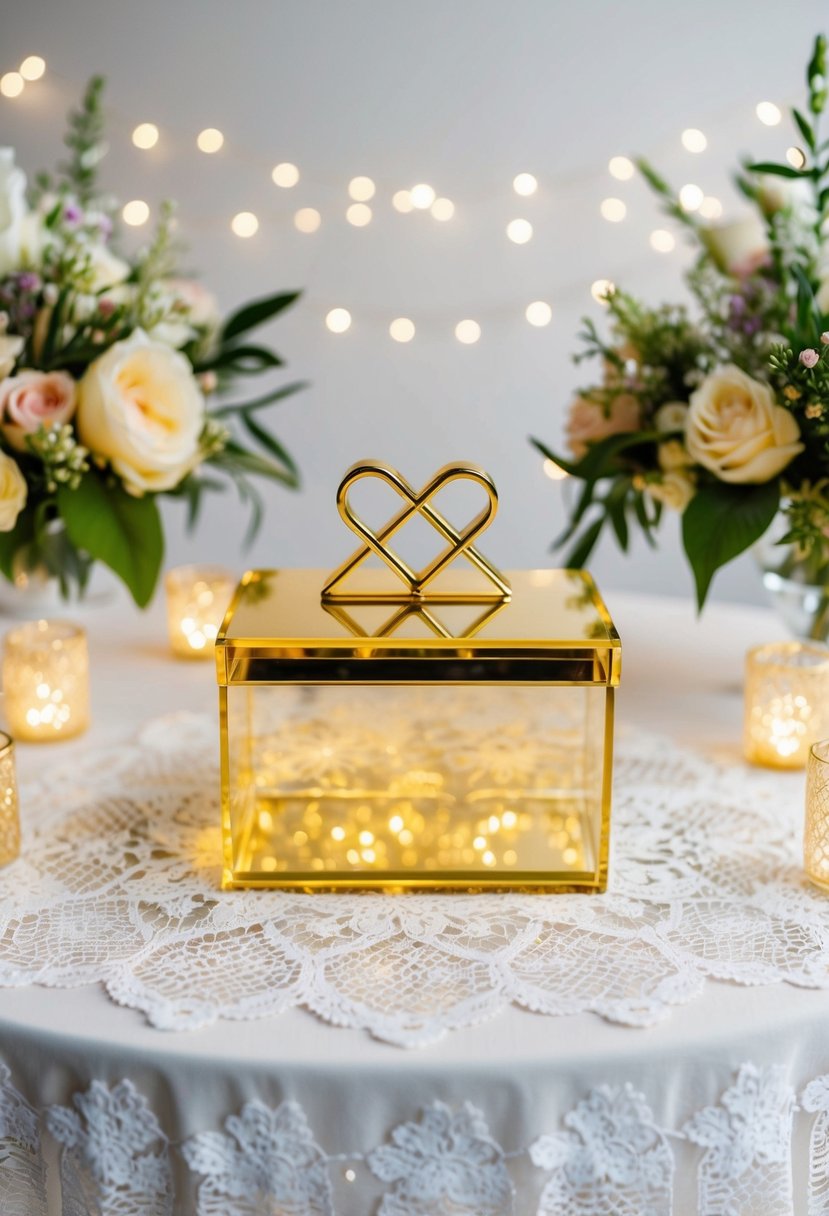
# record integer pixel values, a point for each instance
(675, 490)
(32, 399)
(738, 247)
(736, 430)
(589, 421)
(140, 407)
(11, 348)
(13, 492)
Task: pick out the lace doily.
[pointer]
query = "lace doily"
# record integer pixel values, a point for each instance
(738, 1156)
(118, 883)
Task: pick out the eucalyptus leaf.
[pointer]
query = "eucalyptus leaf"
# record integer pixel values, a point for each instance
(257, 313)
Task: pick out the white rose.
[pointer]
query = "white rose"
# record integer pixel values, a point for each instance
(736, 430)
(141, 408)
(672, 416)
(738, 247)
(13, 212)
(675, 490)
(11, 348)
(13, 492)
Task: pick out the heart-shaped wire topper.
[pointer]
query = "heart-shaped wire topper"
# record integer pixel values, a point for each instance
(416, 502)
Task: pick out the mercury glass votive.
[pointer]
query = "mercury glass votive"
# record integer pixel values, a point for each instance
(197, 599)
(9, 818)
(46, 680)
(816, 829)
(786, 702)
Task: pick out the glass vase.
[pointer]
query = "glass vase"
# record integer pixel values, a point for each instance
(797, 584)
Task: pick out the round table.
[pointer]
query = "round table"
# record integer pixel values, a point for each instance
(682, 677)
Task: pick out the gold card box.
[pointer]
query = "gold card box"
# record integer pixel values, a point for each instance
(452, 741)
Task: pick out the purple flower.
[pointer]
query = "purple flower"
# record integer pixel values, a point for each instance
(72, 214)
(809, 357)
(105, 226)
(28, 281)
(736, 305)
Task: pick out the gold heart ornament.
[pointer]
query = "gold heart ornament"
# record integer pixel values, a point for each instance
(416, 502)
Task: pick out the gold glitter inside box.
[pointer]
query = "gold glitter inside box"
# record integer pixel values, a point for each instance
(448, 741)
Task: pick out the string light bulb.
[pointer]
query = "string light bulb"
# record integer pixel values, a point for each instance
(600, 289)
(467, 332)
(245, 224)
(519, 231)
(621, 167)
(285, 175)
(613, 210)
(210, 140)
(422, 196)
(693, 140)
(402, 201)
(556, 473)
(710, 208)
(690, 197)
(768, 113)
(358, 214)
(361, 189)
(145, 135)
(539, 313)
(402, 330)
(796, 157)
(338, 320)
(525, 184)
(12, 84)
(32, 67)
(662, 240)
(443, 209)
(135, 213)
(307, 219)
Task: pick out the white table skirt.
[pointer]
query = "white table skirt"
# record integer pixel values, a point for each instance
(522, 1072)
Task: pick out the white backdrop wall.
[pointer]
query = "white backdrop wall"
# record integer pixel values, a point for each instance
(462, 94)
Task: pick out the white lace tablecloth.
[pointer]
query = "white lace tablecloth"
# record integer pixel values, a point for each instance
(497, 1111)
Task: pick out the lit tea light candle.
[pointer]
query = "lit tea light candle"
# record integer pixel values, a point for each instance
(816, 831)
(9, 818)
(46, 680)
(197, 599)
(786, 702)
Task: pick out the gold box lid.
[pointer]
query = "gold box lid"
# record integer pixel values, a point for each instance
(552, 628)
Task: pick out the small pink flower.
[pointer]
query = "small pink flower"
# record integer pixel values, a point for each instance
(824, 337)
(106, 306)
(33, 399)
(208, 381)
(809, 357)
(588, 421)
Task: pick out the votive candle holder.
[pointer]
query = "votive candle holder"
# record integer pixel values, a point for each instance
(9, 816)
(197, 599)
(46, 680)
(816, 827)
(786, 702)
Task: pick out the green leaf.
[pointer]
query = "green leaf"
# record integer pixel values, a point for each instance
(805, 130)
(257, 313)
(768, 166)
(259, 403)
(578, 555)
(243, 360)
(720, 522)
(271, 444)
(21, 534)
(117, 529)
(808, 314)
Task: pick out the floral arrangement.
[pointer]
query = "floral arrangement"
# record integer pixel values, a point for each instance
(720, 411)
(111, 374)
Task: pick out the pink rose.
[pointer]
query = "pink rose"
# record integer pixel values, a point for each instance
(32, 399)
(589, 421)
